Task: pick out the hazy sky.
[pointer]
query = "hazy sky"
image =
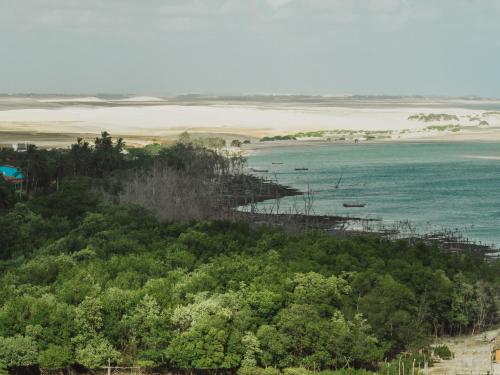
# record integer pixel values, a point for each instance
(428, 47)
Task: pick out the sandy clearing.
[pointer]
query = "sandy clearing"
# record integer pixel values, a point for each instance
(472, 355)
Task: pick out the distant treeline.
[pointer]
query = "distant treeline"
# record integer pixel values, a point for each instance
(310, 134)
(441, 128)
(433, 117)
(112, 168)
(279, 138)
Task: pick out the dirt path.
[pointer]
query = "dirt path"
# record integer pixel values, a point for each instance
(472, 355)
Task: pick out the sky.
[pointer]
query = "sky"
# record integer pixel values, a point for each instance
(316, 47)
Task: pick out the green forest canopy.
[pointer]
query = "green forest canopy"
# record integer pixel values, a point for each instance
(84, 281)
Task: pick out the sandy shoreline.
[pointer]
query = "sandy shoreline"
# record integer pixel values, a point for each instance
(56, 122)
(487, 137)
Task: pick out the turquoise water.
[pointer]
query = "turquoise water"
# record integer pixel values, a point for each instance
(435, 186)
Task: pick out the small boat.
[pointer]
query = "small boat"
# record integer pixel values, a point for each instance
(301, 169)
(276, 162)
(354, 204)
(259, 170)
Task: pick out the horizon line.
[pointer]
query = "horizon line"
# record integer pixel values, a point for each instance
(254, 94)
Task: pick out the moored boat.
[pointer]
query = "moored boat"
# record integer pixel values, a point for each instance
(259, 170)
(354, 205)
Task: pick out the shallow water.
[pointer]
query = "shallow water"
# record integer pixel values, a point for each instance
(452, 186)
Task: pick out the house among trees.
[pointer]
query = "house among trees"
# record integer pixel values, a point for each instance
(12, 175)
(496, 350)
(495, 355)
(18, 147)
(21, 147)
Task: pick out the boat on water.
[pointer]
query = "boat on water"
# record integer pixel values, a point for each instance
(301, 169)
(275, 162)
(259, 170)
(351, 205)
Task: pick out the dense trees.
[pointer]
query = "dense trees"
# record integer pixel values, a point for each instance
(112, 282)
(182, 181)
(85, 281)
(44, 169)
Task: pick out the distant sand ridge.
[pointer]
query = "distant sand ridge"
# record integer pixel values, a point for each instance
(149, 119)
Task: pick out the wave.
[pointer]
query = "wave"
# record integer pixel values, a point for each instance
(483, 157)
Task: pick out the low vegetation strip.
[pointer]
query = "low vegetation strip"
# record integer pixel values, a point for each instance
(433, 117)
(441, 128)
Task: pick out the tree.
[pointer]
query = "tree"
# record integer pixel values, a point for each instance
(462, 305)
(92, 349)
(146, 328)
(89, 317)
(18, 351)
(309, 341)
(252, 350)
(273, 346)
(106, 155)
(55, 357)
(205, 337)
(484, 306)
(184, 137)
(80, 156)
(7, 196)
(96, 352)
(390, 308)
(236, 143)
(324, 293)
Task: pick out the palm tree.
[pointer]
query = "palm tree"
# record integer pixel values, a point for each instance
(6, 193)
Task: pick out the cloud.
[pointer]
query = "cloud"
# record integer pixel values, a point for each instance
(246, 45)
(278, 3)
(182, 15)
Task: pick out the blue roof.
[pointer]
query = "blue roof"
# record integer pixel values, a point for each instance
(11, 172)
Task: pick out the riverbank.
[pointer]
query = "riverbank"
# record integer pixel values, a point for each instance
(483, 137)
(414, 188)
(246, 191)
(61, 139)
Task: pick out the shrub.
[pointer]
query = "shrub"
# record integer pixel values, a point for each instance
(443, 352)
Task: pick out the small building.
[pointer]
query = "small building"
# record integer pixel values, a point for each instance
(12, 175)
(21, 147)
(6, 146)
(495, 352)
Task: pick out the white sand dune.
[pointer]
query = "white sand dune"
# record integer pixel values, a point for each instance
(161, 117)
(140, 99)
(254, 119)
(88, 99)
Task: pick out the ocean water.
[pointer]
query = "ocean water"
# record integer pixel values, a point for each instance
(433, 186)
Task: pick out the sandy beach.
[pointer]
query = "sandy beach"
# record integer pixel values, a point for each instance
(53, 121)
